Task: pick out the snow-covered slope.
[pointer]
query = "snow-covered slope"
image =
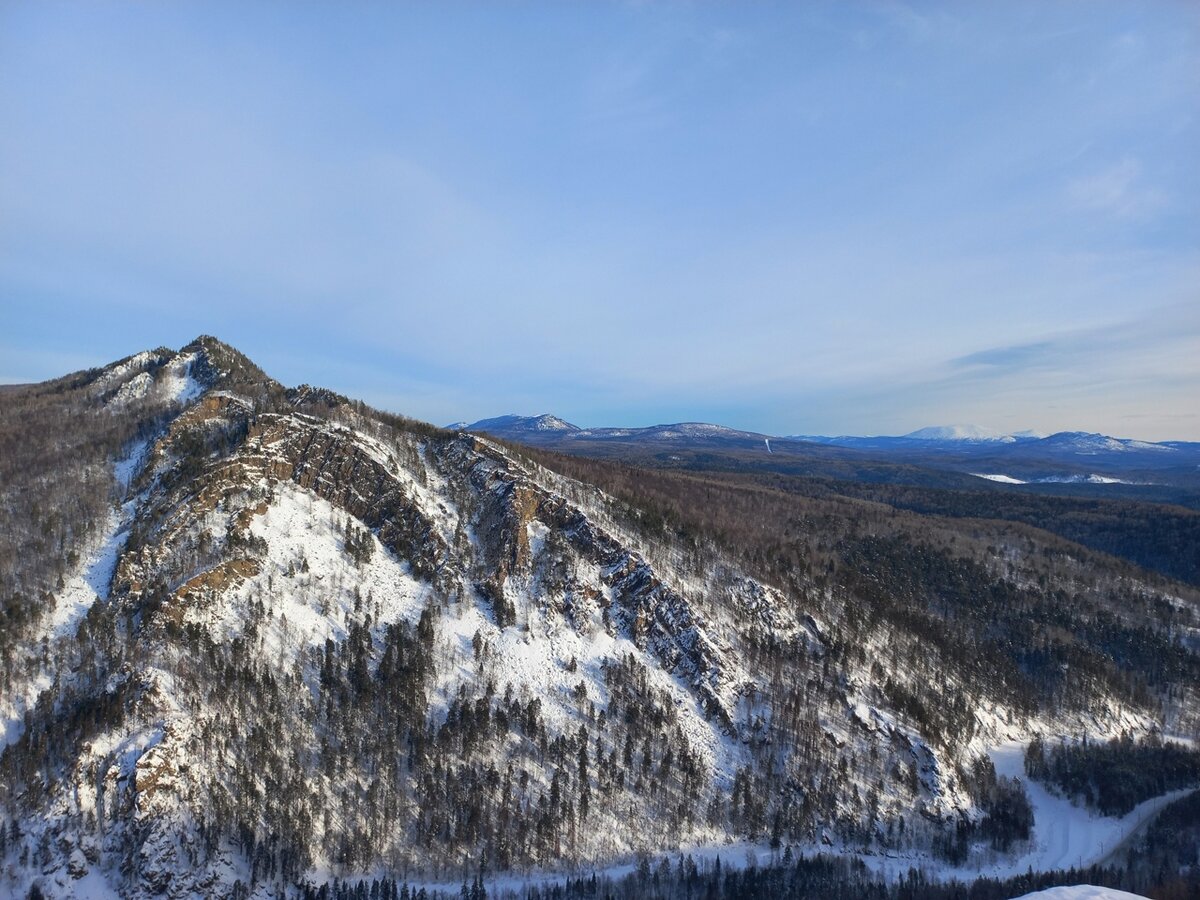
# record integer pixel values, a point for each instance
(956, 433)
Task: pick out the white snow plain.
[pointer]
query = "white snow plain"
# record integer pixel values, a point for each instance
(1081, 892)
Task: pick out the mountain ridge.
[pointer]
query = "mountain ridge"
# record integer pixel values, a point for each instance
(960, 436)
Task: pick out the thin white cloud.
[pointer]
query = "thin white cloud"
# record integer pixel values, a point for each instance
(1118, 190)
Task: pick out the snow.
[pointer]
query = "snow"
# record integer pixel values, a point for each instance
(173, 383)
(128, 466)
(1081, 892)
(1064, 835)
(134, 389)
(91, 582)
(1083, 479)
(548, 422)
(1067, 835)
(94, 576)
(543, 422)
(88, 584)
(119, 371)
(1086, 443)
(534, 656)
(733, 855)
(954, 433)
(698, 429)
(309, 607)
(179, 384)
(93, 886)
(1056, 479)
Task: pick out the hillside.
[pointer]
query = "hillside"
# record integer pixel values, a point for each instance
(266, 636)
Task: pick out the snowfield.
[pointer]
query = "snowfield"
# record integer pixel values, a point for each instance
(1081, 892)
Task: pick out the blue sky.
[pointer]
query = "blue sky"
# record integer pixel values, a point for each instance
(794, 218)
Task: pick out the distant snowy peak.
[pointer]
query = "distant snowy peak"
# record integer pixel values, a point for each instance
(1089, 443)
(1080, 442)
(687, 430)
(953, 433)
(512, 423)
(703, 429)
(974, 433)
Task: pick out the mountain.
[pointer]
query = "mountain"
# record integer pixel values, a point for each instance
(256, 638)
(517, 425)
(956, 433)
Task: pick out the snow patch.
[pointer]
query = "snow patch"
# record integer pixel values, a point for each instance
(87, 585)
(308, 607)
(1081, 892)
(178, 384)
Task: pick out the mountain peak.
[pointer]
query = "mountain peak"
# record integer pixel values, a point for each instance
(221, 365)
(954, 433)
(512, 422)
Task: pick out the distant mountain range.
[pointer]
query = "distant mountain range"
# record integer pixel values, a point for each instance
(959, 438)
(969, 438)
(1012, 458)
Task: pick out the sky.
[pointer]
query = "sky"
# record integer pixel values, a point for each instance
(800, 218)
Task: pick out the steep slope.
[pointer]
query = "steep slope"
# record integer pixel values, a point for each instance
(325, 639)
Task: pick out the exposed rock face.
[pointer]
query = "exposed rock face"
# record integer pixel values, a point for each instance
(364, 479)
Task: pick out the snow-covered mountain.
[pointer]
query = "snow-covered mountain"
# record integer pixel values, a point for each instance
(517, 425)
(955, 433)
(271, 636)
(971, 434)
(1090, 444)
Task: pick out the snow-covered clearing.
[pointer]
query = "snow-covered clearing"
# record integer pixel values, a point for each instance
(1066, 835)
(1056, 479)
(1081, 892)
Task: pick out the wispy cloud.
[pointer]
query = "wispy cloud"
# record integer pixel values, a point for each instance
(1021, 356)
(1118, 190)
